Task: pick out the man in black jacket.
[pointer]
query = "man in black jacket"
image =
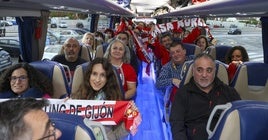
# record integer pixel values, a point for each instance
(195, 101)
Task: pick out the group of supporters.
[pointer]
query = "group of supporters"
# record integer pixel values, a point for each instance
(124, 49)
(193, 102)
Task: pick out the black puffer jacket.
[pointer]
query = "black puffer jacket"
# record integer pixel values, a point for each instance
(191, 109)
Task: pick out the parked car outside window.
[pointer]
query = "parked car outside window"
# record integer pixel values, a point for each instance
(234, 31)
(11, 45)
(5, 60)
(63, 24)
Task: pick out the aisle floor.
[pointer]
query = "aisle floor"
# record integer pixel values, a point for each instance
(150, 102)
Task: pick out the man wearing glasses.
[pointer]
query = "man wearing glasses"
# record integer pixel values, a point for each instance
(24, 119)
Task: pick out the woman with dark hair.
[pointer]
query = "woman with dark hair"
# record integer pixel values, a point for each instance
(99, 82)
(23, 80)
(202, 42)
(109, 34)
(235, 56)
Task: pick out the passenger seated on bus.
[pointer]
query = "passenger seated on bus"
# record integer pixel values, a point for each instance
(24, 119)
(202, 42)
(22, 80)
(170, 73)
(125, 38)
(160, 48)
(118, 54)
(101, 48)
(99, 84)
(194, 34)
(177, 34)
(89, 42)
(235, 57)
(109, 35)
(71, 56)
(194, 101)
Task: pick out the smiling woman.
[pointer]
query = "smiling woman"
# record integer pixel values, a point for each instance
(22, 80)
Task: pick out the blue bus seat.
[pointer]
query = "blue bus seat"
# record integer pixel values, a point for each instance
(72, 127)
(55, 72)
(239, 120)
(250, 81)
(221, 72)
(218, 52)
(79, 75)
(191, 49)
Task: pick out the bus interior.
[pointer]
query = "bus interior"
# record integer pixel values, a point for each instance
(150, 101)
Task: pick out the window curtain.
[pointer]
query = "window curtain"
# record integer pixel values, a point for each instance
(94, 23)
(26, 27)
(42, 40)
(32, 35)
(264, 22)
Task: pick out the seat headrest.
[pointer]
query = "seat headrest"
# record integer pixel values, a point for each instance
(244, 119)
(219, 52)
(55, 72)
(71, 126)
(257, 73)
(46, 67)
(191, 49)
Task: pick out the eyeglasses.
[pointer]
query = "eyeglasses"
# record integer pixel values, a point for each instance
(23, 78)
(51, 133)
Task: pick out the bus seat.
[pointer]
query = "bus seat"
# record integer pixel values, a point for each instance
(221, 72)
(97, 128)
(218, 52)
(84, 53)
(250, 81)
(78, 77)
(72, 127)
(239, 120)
(56, 73)
(191, 49)
(79, 74)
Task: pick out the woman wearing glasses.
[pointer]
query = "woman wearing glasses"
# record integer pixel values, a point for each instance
(22, 80)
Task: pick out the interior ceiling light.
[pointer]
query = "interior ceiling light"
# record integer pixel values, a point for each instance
(241, 14)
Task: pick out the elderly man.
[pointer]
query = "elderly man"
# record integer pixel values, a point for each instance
(194, 101)
(24, 119)
(71, 58)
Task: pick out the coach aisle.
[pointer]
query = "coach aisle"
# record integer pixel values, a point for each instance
(149, 100)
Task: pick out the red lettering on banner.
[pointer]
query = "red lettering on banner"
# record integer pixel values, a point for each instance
(193, 22)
